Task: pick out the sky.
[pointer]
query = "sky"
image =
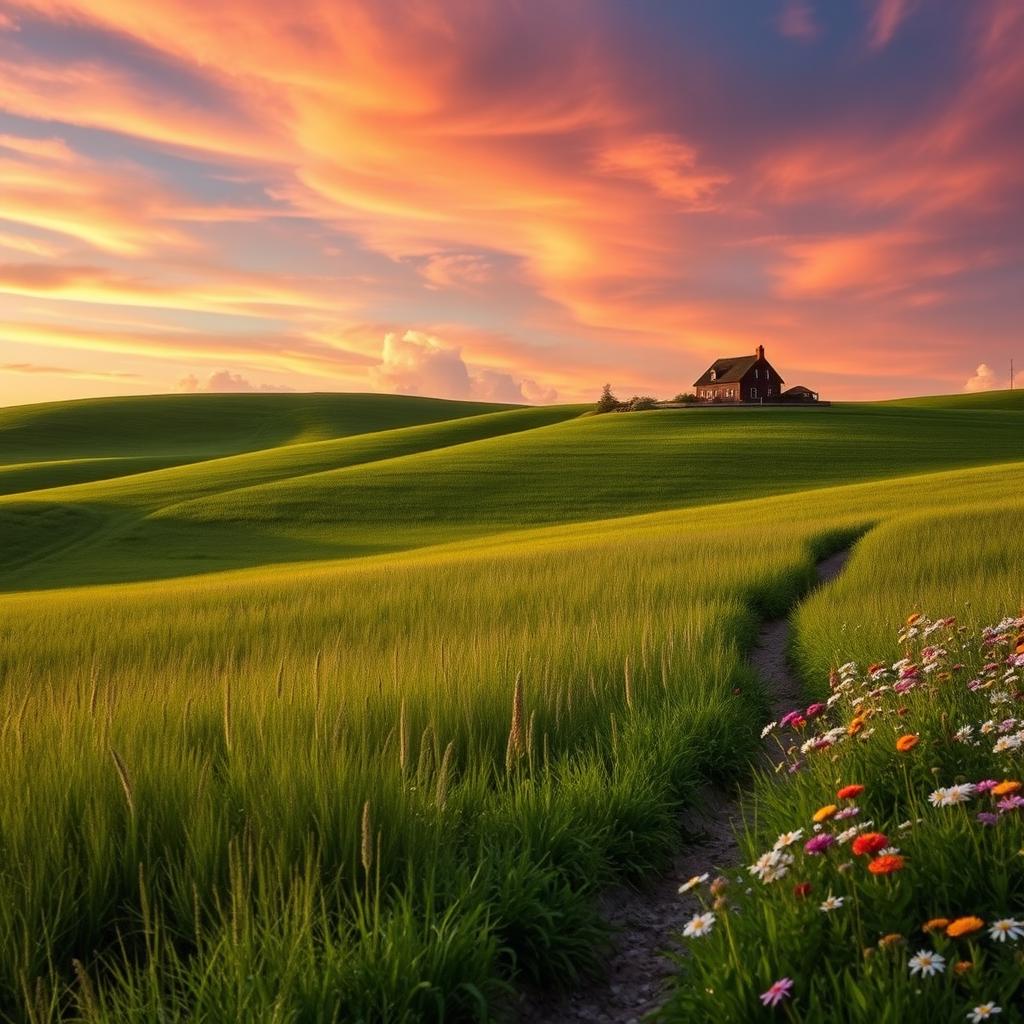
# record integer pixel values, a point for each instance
(508, 200)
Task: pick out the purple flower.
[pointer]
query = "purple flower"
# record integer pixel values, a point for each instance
(779, 991)
(985, 785)
(847, 812)
(987, 818)
(1010, 803)
(819, 844)
(904, 686)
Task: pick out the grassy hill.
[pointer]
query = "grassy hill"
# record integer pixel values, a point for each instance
(416, 486)
(497, 653)
(58, 443)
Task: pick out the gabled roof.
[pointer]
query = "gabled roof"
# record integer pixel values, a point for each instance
(727, 371)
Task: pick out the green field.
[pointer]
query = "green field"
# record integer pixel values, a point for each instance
(343, 707)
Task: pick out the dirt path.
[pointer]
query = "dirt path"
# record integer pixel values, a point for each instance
(643, 922)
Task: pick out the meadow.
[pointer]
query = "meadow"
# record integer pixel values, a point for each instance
(354, 725)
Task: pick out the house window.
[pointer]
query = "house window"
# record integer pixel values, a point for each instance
(756, 374)
(753, 392)
(769, 392)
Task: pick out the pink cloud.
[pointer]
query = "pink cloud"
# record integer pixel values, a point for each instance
(886, 20)
(796, 20)
(226, 382)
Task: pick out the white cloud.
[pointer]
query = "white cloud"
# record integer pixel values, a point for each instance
(984, 379)
(417, 363)
(224, 381)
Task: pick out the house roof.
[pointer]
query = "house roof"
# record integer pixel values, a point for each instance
(727, 370)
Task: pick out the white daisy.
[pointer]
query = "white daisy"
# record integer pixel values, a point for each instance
(1007, 928)
(694, 882)
(985, 1011)
(699, 924)
(771, 866)
(831, 903)
(926, 963)
(788, 839)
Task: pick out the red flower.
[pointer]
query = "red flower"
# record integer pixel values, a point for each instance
(870, 843)
(802, 889)
(850, 792)
(886, 865)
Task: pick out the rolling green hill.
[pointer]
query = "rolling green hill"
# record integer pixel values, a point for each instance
(428, 484)
(59, 443)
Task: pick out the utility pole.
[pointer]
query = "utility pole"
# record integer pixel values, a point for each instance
(1011, 374)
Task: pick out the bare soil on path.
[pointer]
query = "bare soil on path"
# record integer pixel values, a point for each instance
(644, 921)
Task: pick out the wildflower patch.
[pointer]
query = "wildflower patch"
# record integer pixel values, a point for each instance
(885, 872)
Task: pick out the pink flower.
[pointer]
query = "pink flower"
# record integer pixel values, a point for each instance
(788, 719)
(985, 785)
(986, 818)
(779, 991)
(819, 844)
(814, 710)
(1010, 803)
(847, 812)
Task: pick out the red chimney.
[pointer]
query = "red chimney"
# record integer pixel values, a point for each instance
(760, 351)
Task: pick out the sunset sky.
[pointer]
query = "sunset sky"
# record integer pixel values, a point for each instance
(514, 200)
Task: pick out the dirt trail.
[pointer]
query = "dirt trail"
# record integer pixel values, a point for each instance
(644, 922)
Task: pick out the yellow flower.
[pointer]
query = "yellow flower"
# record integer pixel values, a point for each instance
(824, 813)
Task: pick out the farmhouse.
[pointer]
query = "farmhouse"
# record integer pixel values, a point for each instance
(740, 379)
(749, 379)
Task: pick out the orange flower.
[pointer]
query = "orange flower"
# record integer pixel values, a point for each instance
(964, 926)
(963, 966)
(886, 865)
(1005, 788)
(824, 813)
(913, 620)
(869, 842)
(906, 742)
(855, 726)
(892, 939)
(850, 792)
(936, 924)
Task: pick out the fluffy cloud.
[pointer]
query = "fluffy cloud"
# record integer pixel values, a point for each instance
(984, 379)
(417, 363)
(224, 382)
